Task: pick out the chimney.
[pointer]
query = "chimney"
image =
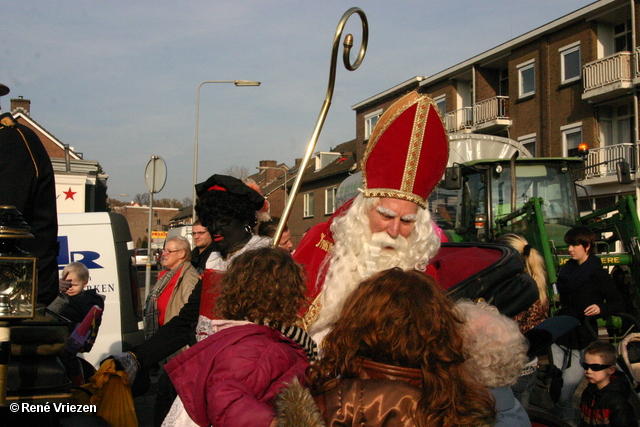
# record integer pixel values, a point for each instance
(270, 171)
(298, 161)
(21, 105)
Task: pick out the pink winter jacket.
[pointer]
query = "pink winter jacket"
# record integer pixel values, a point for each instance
(232, 377)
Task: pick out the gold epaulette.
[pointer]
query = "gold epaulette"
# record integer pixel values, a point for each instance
(7, 121)
(324, 244)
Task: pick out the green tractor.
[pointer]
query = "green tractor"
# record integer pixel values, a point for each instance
(484, 197)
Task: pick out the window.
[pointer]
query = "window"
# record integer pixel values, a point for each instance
(441, 104)
(571, 138)
(616, 124)
(622, 36)
(570, 63)
(529, 142)
(308, 205)
(527, 78)
(370, 121)
(330, 200)
(504, 82)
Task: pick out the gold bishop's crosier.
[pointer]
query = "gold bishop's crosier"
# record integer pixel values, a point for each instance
(348, 44)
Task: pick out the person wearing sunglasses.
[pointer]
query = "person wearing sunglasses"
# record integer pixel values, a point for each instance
(586, 293)
(605, 400)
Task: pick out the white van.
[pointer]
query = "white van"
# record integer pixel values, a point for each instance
(102, 242)
(183, 230)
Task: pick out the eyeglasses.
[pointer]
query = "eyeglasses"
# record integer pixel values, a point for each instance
(165, 251)
(199, 233)
(595, 367)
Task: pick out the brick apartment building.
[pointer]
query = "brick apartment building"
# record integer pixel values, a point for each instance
(572, 80)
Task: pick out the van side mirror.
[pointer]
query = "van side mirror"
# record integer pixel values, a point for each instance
(452, 178)
(623, 173)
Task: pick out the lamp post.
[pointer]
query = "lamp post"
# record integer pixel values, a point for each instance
(285, 169)
(239, 83)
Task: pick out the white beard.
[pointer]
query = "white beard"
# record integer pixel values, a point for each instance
(372, 253)
(357, 255)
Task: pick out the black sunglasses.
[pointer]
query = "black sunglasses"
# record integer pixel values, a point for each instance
(595, 367)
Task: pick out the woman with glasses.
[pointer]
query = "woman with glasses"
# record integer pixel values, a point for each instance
(171, 292)
(175, 284)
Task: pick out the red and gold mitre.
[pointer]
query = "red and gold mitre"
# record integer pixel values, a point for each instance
(407, 152)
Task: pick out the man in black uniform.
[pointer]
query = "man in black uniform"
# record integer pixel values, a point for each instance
(27, 182)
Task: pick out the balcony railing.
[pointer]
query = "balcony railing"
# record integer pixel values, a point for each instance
(612, 69)
(459, 119)
(602, 161)
(491, 109)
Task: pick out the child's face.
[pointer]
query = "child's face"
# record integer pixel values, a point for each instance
(77, 285)
(599, 378)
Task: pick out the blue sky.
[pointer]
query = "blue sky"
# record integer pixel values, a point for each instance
(117, 80)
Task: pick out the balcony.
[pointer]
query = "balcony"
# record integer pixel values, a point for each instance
(608, 77)
(459, 120)
(484, 117)
(601, 162)
(491, 114)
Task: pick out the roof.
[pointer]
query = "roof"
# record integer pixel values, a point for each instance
(26, 120)
(260, 176)
(525, 160)
(342, 164)
(184, 213)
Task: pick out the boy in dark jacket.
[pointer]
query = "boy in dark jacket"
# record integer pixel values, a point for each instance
(74, 304)
(605, 401)
(79, 300)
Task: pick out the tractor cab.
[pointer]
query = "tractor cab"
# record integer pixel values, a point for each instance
(486, 194)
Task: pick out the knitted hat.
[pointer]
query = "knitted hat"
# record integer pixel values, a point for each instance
(407, 152)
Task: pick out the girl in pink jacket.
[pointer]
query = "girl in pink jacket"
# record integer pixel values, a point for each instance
(232, 377)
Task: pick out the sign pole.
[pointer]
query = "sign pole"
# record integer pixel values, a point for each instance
(155, 176)
(147, 277)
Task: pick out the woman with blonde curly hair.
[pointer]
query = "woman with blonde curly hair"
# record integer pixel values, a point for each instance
(395, 357)
(232, 377)
(534, 315)
(534, 267)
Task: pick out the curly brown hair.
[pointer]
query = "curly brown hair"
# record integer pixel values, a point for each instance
(262, 284)
(402, 318)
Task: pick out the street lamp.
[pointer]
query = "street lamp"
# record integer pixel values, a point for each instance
(284, 168)
(239, 83)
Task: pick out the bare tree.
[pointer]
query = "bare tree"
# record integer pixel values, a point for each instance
(115, 202)
(240, 172)
(142, 199)
(187, 201)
